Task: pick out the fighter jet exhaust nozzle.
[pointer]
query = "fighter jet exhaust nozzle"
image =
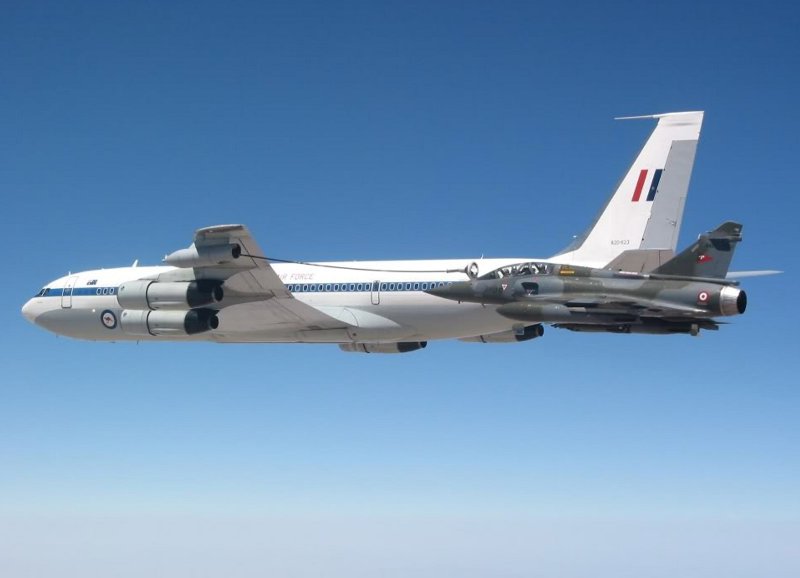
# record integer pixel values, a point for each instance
(732, 301)
(168, 323)
(145, 294)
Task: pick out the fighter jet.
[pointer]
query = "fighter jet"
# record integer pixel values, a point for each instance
(683, 295)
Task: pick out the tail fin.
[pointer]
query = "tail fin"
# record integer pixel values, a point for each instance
(646, 210)
(710, 256)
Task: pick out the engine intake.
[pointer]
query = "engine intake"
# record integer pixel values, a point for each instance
(168, 323)
(153, 295)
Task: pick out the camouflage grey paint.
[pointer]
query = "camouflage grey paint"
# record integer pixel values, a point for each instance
(672, 299)
(709, 256)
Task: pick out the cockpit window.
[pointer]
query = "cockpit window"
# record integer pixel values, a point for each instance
(519, 270)
(41, 293)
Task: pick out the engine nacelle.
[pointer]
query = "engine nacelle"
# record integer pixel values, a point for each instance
(401, 347)
(712, 299)
(526, 334)
(204, 256)
(138, 322)
(145, 294)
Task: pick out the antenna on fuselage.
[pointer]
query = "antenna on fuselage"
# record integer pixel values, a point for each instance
(135, 263)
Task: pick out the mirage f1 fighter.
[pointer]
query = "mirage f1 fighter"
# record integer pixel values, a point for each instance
(683, 295)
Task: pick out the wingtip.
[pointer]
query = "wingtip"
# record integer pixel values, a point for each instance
(662, 115)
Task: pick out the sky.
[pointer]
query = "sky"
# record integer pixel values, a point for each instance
(381, 130)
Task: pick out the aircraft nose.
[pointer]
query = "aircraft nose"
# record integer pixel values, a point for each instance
(458, 291)
(473, 292)
(28, 311)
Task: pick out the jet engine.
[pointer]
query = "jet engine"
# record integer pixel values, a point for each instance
(204, 255)
(146, 294)
(168, 323)
(526, 334)
(401, 347)
(716, 300)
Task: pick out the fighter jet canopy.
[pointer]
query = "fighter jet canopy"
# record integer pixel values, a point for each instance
(519, 270)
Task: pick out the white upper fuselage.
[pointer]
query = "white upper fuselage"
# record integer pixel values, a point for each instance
(386, 305)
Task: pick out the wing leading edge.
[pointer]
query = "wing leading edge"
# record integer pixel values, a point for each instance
(258, 298)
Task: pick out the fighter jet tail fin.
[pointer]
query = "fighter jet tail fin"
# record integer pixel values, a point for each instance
(646, 209)
(710, 256)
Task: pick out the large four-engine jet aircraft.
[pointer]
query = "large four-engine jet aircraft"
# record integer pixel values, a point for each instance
(223, 288)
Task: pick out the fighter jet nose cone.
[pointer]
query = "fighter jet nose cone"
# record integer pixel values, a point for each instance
(456, 291)
(438, 292)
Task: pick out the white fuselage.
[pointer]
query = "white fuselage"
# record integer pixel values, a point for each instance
(379, 301)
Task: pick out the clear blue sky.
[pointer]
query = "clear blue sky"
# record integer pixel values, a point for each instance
(392, 130)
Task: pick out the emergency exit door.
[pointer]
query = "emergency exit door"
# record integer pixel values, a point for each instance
(66, 295)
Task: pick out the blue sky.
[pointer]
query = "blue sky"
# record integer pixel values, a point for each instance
(392, 130)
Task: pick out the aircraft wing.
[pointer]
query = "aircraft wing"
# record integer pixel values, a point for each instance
(611, 305)
(260, 299)
(250, 272)
(744, 274)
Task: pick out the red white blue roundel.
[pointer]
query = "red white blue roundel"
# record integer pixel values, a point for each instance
(108, 319)
(703, 297)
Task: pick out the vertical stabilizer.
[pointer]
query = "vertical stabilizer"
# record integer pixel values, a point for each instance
(646, 210)
(710, 256)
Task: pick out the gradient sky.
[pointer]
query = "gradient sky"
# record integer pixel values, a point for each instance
(382, 130)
